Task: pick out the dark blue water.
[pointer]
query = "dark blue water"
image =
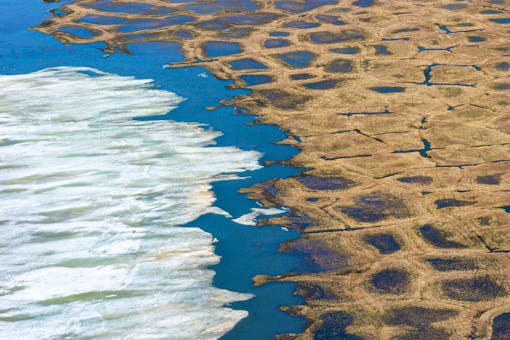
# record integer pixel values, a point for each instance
(382, 50)
(363, 3)
(78, 31)
(221, 48)
(279, 34)
(406, 30)
(219, 5)
(301, 76)
(301, 24)
(428, 75)
(449, 49)
(345, 50)
(247, 64)
(140, 24)
(388, 89)
(213, 25)
(203, 8)
(503, 66)
(422, 152)
(297, 59)
(256, 79)
(501, 20)
(245, 251)
(327, 37)
(445, 29)
(276, 43)
(249, 19)
(455, 7)
(102, 20)
(235, 33)
(110, 6)
(449, 31)
(475, 38)
(490, 11)
(395, 39)
(300, 7)
(331, 19)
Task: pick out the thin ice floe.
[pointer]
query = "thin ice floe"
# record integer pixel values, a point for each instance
(251, 217)
(90, 207)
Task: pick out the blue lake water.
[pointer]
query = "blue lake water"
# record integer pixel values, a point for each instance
(501, 20)
(276, 43)
(247, 64)
(140, 24)
(111, 6)
(255, 79)
(387, 89)
(78, 31)
(302, 24)
(363, 3)
(345, 50)
(279, 34)
(297, 59)
(221, 48)
(102, 20)
(80, 279)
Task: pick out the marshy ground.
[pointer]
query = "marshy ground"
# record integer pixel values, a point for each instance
(401, 110)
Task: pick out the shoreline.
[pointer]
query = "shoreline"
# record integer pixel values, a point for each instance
(236, 131)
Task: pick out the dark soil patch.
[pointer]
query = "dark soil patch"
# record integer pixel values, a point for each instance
(451, 202)
(323, 84)
(417, 317)
(340, 66)
(474, 289)
(445, 265)
(283, 100)
(416, 179)
(501, 327)
(376, 206)
(390, 281)
(326, 37)
(313, 292)
(299, 220)
(333, 327)
(436, 238)
(301, 76)
(319, 256)
(276, 43)
(325, 183)
(489, 179)
(385, 243)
